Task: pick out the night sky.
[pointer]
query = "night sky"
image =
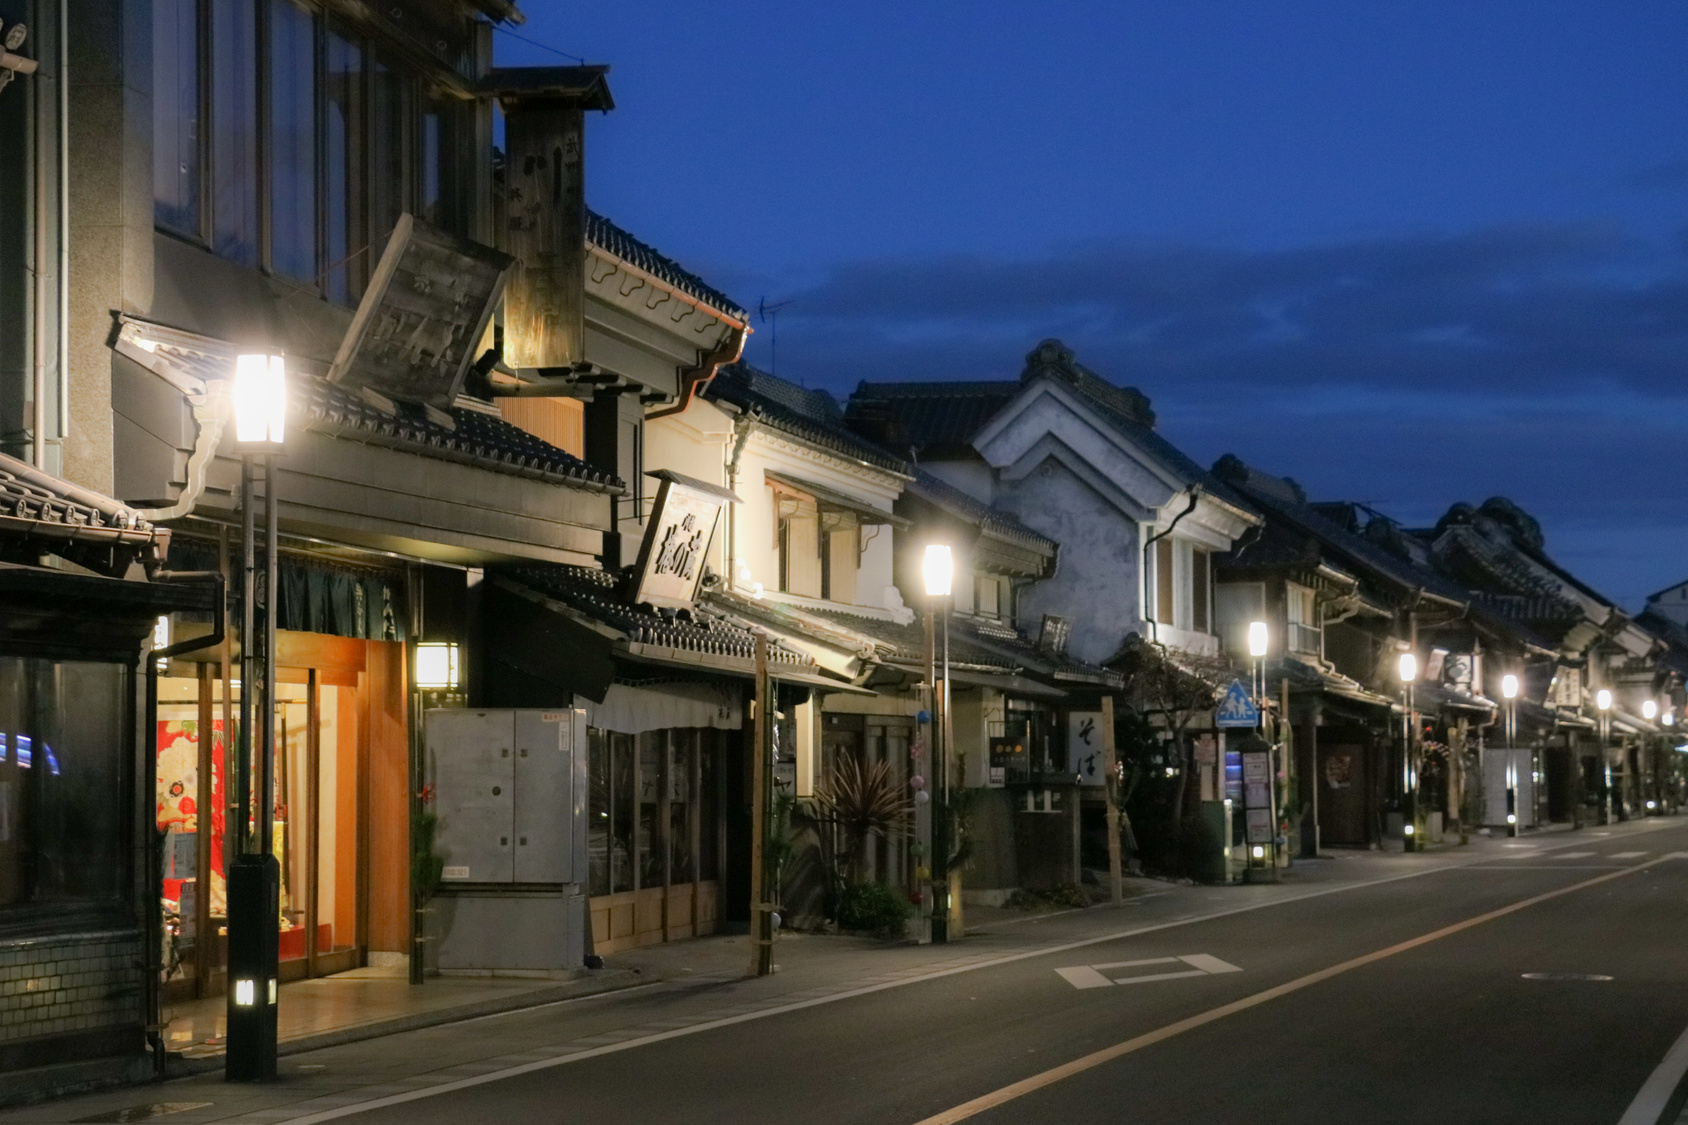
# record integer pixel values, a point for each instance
(1405, 252)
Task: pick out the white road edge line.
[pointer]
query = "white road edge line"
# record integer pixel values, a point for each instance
(728, 1021)
(1649, 1104)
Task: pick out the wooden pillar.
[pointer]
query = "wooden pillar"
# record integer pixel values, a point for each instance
(1110, 771)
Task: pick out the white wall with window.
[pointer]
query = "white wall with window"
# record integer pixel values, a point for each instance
(1179, 592)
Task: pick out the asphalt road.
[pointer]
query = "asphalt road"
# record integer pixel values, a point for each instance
(1402, 994)
(1418, 1009)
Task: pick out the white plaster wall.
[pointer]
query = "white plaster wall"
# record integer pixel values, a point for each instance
(1097, 585)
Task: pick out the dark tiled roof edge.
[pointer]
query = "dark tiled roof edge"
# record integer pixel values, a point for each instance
(479, 439)
(738, 384)
(991, 520)
(612, 238)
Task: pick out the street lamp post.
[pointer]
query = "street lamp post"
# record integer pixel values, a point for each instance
(1257, 646)
(1509, 690)
(254, 878)
(1408, 671)
(1603, 704)
(1644, 760)
(938, 569)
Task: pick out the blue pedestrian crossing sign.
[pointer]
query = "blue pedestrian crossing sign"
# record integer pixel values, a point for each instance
(1236, 709)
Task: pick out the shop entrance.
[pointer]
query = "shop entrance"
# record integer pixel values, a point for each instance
(340, 816)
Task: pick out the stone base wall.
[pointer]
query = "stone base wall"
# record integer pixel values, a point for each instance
(70, 986)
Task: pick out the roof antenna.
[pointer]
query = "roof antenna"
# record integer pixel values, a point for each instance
(769, 314)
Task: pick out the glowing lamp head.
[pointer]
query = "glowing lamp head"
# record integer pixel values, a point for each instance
(1512, 818)
(260, 401)
(436, 665)
(1668, 718)
(1649, 710)
(1509, 686)
(938, 569)
(1258, 851)
(1407, 828)
(1652, 804)
(1257, 638)
(1408, 668)
(1603, 699)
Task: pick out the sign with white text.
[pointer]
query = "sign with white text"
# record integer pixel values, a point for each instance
(677, 540)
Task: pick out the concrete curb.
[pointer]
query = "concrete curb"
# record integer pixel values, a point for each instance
(601, 982)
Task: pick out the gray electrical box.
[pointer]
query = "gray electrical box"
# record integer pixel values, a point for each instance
(509, 795)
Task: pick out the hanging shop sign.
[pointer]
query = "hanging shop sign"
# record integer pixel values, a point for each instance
(677, 539)
(1084, 747)
(423, 316)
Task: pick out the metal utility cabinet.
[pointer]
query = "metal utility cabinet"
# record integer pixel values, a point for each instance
(509, 791)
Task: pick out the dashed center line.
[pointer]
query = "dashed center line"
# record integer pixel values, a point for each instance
(1627, 855)
(1573, 855)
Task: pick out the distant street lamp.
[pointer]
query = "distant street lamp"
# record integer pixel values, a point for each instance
(1603, 704)
(1257, 644)
(254, 877)
(938, 569)
(1407, 670)
(1649, 710)
(1509, 689)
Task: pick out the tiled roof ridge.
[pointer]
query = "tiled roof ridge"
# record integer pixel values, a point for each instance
(596, 594)
(1354, 545)
(737, 384)
(1052, 358)
(990, 519)
(607, 235)
(478, 439)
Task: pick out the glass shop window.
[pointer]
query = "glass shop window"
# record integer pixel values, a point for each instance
(234, 132)
(653, 809)
(175, 115)
(343, 146)
(389, 100)
(293, 142)
(64, 743)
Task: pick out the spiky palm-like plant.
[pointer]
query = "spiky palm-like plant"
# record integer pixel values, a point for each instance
(863, 803)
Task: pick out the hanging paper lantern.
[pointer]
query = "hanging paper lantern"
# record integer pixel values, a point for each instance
(917, 781)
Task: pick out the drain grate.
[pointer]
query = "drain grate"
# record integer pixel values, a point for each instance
(142, 1112)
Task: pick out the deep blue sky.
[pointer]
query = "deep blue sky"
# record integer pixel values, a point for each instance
(1405, 251)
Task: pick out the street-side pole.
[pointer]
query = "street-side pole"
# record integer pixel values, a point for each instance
(761, 928)
(254, 877)
(241, 808)
(940, 786)
(954, 924)
(272, 588)
(1110, 771)
(932, 730)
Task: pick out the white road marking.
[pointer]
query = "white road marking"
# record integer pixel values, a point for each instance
(1572, 855)
(1091, 976)
(1654, 1095)
(1626, 855)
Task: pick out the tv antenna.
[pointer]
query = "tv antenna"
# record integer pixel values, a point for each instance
(769, 313)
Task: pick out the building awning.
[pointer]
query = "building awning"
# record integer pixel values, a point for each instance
(568, 627)
(830, 500)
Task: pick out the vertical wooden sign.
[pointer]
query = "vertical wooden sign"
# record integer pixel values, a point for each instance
(545, 229)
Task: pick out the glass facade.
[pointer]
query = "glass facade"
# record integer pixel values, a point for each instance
(234, 132)
(63, 739)
(654, 809)
(306, 170)
(293, 142)
(176, 115)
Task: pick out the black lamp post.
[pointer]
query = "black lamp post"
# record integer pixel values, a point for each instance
(254, 877)
(938, 569)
